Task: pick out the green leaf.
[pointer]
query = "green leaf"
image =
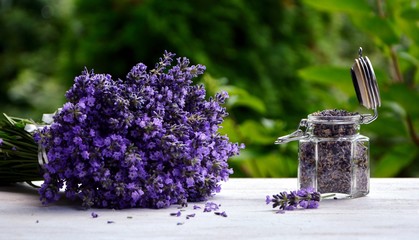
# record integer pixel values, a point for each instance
(247, 101)
(255, 133)
(324, 74)
(229, 128)
(410, 14)
(361, 14)
(409, 58)
(395, 159)
(347, 6)
(241, 98)
(264, 164)
(389, 114)
(330, 76)
(377, 27)
(407, 97)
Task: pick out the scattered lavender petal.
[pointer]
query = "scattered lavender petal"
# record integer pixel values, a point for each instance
(223, 214)
(210, 206)
(177, 214)
(268, 199)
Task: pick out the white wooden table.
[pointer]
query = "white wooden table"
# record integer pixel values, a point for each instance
(390, 211)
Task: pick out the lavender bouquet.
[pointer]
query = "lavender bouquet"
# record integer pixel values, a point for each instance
(150, 140)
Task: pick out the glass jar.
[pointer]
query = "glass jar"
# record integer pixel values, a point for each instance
(333, 156)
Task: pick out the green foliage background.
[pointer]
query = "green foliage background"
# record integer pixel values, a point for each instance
(279, 61)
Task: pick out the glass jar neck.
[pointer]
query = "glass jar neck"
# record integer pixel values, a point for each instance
(333, 126)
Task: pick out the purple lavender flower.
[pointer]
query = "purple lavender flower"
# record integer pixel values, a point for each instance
(210, 206)
(150, 140)
(313, 204)
(304, 198)
(303, 203)
(268, 199)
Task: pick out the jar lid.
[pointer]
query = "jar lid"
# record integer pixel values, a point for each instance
(365, 82)
(366, 88)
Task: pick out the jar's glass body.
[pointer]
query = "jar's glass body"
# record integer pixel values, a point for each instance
(334, 157)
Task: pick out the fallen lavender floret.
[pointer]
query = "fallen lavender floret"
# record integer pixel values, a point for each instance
(177, 214)
(303, 198)
(222, 214)
(211, 206)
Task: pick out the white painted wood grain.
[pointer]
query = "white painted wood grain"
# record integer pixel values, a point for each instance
(390, 211)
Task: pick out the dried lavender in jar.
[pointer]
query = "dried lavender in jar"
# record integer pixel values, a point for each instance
(334, 158)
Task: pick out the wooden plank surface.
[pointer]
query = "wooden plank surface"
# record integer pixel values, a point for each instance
(390, 211)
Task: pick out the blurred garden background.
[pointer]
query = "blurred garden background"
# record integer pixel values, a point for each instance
(280, 60)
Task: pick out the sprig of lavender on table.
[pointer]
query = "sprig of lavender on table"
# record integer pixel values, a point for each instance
(303, 198)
